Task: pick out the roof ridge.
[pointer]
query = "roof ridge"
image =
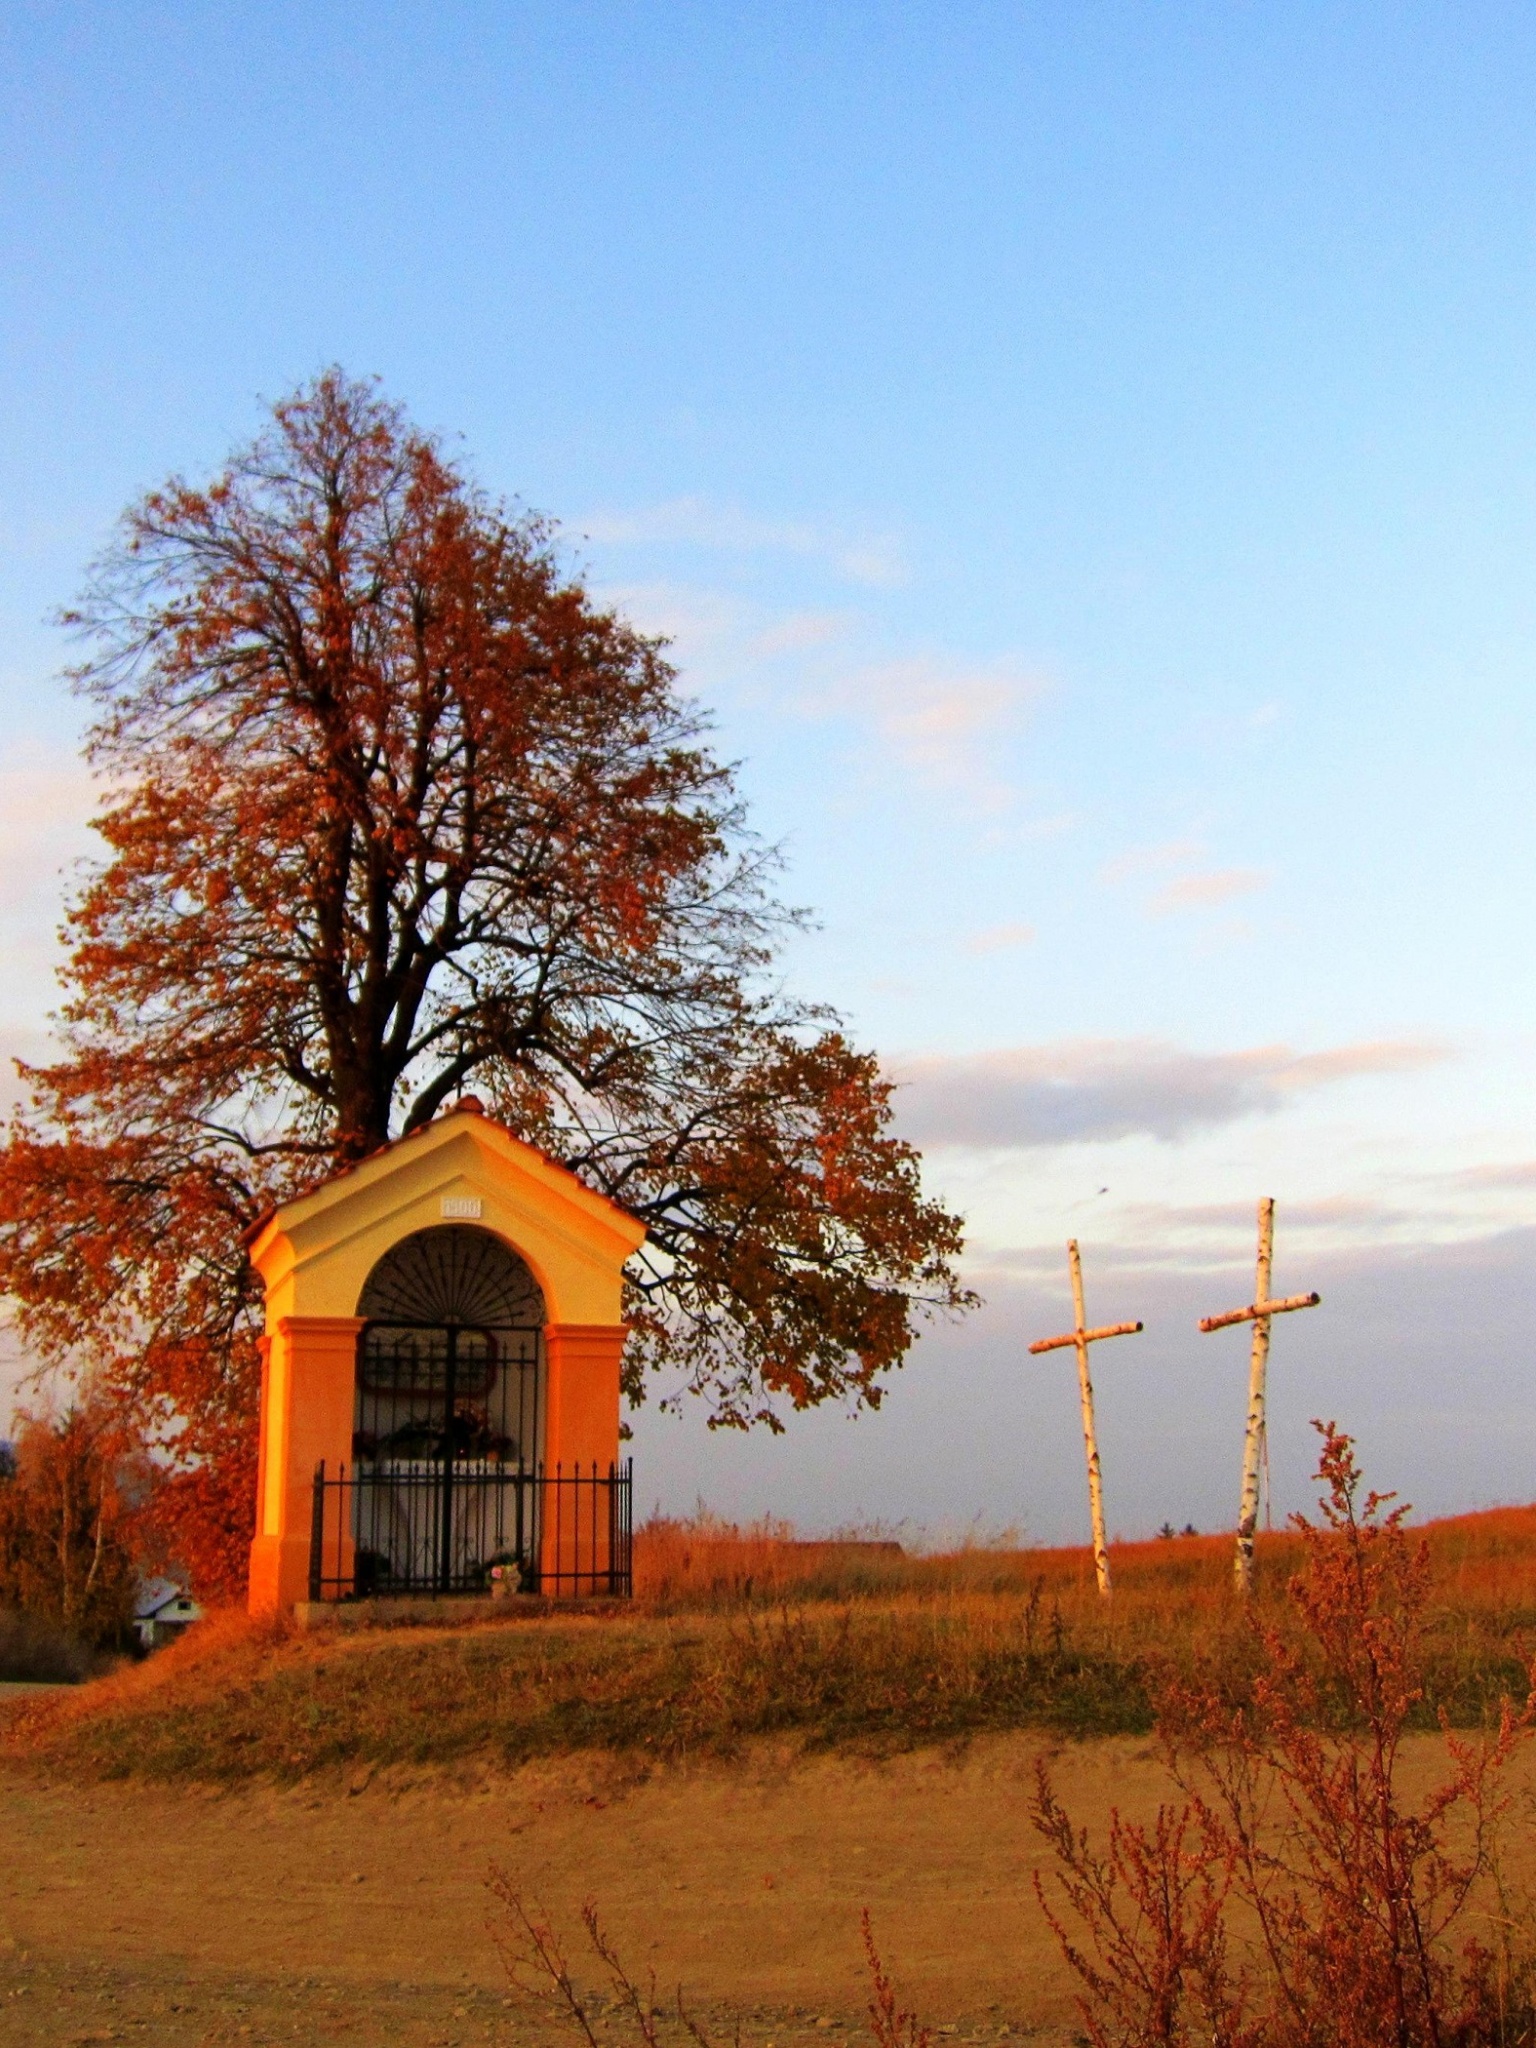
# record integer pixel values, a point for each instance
(465, 1104)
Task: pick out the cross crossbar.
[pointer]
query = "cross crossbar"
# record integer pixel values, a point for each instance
(1086, 1336)
(1256, 1309)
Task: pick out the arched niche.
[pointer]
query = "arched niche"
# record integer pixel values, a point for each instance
(449, 1412)
(450, 1356)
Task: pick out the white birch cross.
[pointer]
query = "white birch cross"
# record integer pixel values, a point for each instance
(1080, 1338)
(1258, 1312)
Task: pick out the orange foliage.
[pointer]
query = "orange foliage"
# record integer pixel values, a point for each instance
(72, 1524)
(201, 1517)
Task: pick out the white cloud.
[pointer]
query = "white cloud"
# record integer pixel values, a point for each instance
(46, 802)
(943, 719)
(701, 522)
(29, 1043)
(705, 627)
(1077, 1090)
(1517, 1174)
(1200, 888)
(721, 639)
(799, 632)
(1051, 827)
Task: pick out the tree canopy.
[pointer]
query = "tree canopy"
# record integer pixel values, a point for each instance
(396, 809)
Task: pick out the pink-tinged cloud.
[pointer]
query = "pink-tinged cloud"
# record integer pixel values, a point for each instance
(1081, 1090)
(1001, 938)
(1204, 891)
(1142, 860)
(946, 722)
(45, 802)
(1514, 1174)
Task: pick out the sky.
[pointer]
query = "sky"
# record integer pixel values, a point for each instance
(1085, 459)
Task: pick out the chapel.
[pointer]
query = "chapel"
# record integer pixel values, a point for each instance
(440, 1382)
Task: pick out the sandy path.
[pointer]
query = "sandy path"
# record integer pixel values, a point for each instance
(744, 1883)
(360, 1914)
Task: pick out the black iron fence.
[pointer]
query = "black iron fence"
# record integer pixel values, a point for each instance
(430, 1526)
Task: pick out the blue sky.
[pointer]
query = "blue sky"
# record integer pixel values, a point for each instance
(1084, 456)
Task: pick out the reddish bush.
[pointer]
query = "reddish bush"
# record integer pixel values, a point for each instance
(1296, 1847)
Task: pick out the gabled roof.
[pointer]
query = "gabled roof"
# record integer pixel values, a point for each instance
(158, 1594)
(532, 1156)
(314, 1252)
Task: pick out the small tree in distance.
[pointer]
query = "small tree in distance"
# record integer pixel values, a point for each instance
(71, 1515)
(395, 809)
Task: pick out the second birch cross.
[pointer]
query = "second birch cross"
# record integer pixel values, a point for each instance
(1258, 1312)
(1081, 1338)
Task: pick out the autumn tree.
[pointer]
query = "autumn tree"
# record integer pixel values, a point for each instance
(396, 809)
(72, 1514)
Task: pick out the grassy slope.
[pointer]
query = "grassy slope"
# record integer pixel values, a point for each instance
(735, 1636)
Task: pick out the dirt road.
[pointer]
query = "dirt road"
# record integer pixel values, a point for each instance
(361, 1913)
(358, 1913)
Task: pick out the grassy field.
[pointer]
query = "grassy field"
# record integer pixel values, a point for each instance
(735, 1635)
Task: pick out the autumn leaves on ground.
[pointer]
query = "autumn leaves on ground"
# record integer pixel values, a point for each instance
(775, 1736)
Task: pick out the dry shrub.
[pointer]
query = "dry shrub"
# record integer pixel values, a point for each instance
(891, 2027)
(40, 1651)
(704, 1561)
(539, 1971)
(534, 1958)
(1295, 1847)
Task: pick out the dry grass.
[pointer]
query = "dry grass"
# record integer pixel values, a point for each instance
(739, 1634)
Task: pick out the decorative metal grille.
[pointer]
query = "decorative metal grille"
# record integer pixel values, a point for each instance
(448, 1415)
(453, 1273)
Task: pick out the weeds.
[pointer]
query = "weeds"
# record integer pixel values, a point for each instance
(242, 1704)
(538, 1971)
(890, 2026)
(1295, 1843)
(534, 1959)
(1153, 1913)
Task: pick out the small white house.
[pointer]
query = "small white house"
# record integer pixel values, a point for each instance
(163, 1610)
